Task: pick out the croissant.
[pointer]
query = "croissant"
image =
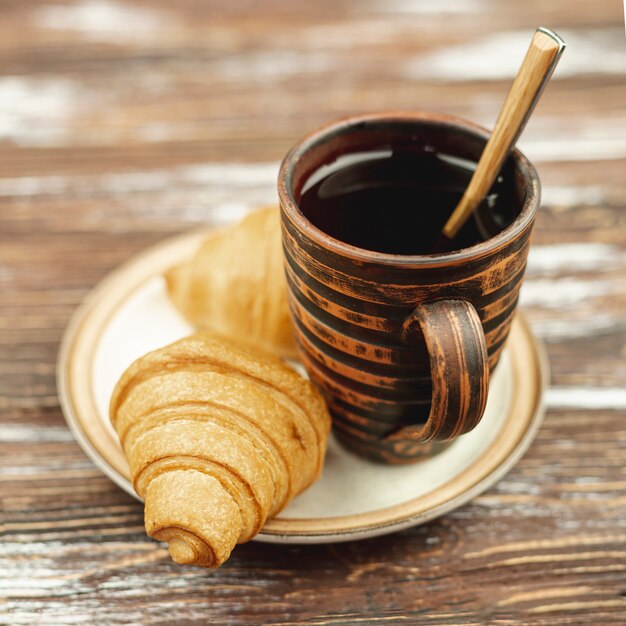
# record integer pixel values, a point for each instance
(235, 284)
(219, 437)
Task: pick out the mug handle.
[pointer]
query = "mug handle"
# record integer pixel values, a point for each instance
(458, 367)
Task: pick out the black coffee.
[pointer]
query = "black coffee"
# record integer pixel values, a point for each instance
(398, 201)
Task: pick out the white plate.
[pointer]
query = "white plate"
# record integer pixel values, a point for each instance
(129, 314)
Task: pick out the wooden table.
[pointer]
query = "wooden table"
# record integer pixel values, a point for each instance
(121, 124)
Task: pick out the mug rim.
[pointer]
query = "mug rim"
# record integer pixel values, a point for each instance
(484, 248)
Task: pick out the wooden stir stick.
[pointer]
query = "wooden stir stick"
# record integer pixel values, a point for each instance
(543, 54)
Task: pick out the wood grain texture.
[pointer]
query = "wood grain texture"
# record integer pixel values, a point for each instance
(113, 139)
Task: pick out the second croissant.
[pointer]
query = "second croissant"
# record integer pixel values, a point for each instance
(235, 284)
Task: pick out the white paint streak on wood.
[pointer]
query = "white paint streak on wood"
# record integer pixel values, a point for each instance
(33, 433)
(428, 7)
(549, 544)
(377, 22)
(573, 196)
(578, 607)
(221, 192)
(57, 612)
(558, 329)
(556, 294)
(563, 139)
(48, 580)
(543, 593)
(543, 290)
(234, 173)
(548, 139)
(273, 64)
(37, 111)
(512, 487)
(104, 20)
(239, 175)
(58, 470)
(549, 260)
(592, 398)
(54, 549)
(497, 56)
(158, 132)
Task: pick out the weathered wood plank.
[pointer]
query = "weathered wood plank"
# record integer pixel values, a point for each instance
(124, 122)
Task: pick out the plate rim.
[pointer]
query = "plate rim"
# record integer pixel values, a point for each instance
(482, 472)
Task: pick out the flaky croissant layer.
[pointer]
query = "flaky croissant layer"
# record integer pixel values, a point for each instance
(219, 437)
(235, 284)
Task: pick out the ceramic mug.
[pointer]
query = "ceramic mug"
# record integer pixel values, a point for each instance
(401, 345)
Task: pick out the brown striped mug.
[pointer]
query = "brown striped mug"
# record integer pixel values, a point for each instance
(401, 345)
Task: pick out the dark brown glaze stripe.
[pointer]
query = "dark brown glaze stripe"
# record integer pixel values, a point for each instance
(497, 350)
(367, 427)
(403, 453)
(494, 295)
(384, 425)
(361, 386)
(364, 404)
(320, 307)
(389, 420)
(357, 368)
(404, 391)
(494, 359)
(342, 426)
(499, 336)
(362, 283)
(350, 302)
(335, 304)
(361, 355)
(492, 326)
(368, 345)
(362, 289)
(490, 311)
(321, 328)
(470, 261)
(373, 345)
(326, 293)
